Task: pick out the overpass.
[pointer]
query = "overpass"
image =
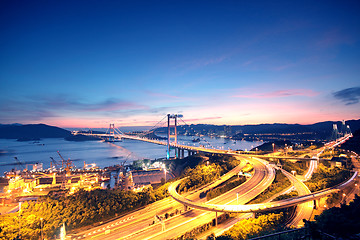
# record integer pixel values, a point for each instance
(261, 206)
(180, 148)
(138, 227)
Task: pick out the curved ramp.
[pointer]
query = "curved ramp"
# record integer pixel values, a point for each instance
(256, 207)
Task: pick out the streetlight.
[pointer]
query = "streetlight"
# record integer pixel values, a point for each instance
(273, 146)
(19, 218)
(41, 228)
(237, 198)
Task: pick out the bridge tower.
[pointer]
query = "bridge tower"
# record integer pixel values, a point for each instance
(172, 135)
(348, 130)
(111, 132)
(335, 133)
(343, 128)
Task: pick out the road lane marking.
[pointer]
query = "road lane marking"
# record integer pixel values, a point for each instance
(104, 228)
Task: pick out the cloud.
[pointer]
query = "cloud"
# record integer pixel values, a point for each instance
(161, 95)
(208, 61)
(65, 102)
(279, 93)
(202, 119)
(195, 64)
(333, 38)
(283, 67)
(349, 95)
(39, 108)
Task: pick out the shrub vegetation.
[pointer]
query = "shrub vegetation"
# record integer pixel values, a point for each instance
(327, 177)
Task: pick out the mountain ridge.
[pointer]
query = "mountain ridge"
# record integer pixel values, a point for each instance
(32, 131)
(320, 129)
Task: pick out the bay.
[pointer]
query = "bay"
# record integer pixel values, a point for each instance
(103, 154)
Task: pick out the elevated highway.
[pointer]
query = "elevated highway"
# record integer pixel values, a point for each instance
(258, 207)
(303, 210)
(261, 179)
(136, 225)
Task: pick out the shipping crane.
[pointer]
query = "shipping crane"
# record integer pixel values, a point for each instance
(68, 163)
(23, 167)
(18, 162)
(54, 163)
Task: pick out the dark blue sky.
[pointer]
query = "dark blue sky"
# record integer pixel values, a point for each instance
(89, 63)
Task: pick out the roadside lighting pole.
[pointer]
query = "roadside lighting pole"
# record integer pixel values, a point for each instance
(19, 219)
(273, 145)
(41, 228)
(237, 198)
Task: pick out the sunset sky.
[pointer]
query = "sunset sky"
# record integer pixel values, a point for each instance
(91, 63)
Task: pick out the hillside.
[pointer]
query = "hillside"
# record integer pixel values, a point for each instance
(32, 131)
(294, 132)
(353, 144)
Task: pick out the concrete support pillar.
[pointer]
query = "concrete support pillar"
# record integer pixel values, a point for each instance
(316, 203)
(216, 220)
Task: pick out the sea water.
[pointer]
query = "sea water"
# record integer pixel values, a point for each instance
(101, 153)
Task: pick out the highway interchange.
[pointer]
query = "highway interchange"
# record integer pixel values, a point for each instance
(138, 224)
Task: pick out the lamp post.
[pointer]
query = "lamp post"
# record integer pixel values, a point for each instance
(41, 228)
(165, 174)
(273, 145)
(19, 219)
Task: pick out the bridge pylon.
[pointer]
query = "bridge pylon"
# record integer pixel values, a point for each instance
(335, 133)
(111, 132)
(172, 135)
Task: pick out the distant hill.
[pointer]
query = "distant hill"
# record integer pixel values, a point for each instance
(318, 131)
(353, 144)
(32, 131)
(81, 138)
(268, 132)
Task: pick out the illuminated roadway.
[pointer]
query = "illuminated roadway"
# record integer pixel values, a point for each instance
(261, 179)
(137, 225)
(303, 210)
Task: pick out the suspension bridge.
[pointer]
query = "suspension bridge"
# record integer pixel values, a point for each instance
(171, 122)
(264, 174)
